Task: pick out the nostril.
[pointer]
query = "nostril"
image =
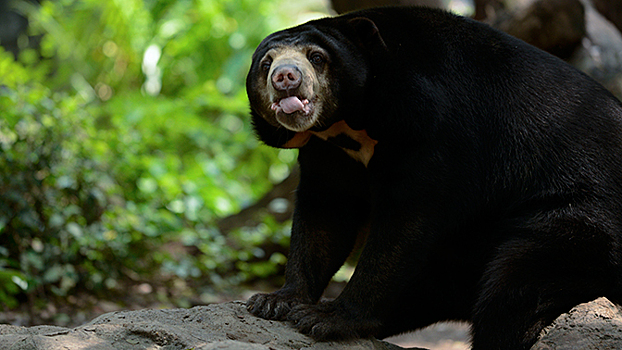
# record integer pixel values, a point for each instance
(286, 77)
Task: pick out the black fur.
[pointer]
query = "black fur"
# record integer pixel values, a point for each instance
(494, 194)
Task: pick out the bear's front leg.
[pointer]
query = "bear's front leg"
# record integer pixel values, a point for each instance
(319, 246)
(354, 314)
(387, 294)
(332, 320)
(276, 305)
(332, 208)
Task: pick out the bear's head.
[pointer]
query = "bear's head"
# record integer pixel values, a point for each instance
(305, 79)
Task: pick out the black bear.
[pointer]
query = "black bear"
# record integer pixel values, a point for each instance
(485, 174)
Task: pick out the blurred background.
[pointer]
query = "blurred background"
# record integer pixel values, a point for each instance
(129, 173)
(124, 148)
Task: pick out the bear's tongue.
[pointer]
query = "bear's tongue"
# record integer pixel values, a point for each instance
(291, 104)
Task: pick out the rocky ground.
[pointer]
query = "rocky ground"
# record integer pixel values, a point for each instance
(228, 326)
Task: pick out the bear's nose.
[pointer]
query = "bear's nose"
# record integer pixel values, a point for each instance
(286, 77)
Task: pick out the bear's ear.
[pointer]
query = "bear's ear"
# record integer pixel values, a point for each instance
(367, 33)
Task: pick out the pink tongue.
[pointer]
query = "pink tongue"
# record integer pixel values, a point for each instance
(291, 104)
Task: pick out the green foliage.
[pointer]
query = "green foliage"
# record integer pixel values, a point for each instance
(126, 134)
(53, 192)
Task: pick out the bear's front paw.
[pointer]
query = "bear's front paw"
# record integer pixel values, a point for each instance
(274, 306)
(331, 321)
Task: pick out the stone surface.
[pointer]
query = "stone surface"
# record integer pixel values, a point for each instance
(224, 326)
(596, 325)
(228, 326)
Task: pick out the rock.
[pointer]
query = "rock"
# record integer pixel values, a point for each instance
(596, 325)
(555, 26)
(218, 326)
(600, 55)
(228, 326)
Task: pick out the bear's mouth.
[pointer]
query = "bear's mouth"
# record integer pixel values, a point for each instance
(292, 104)
(295, 113)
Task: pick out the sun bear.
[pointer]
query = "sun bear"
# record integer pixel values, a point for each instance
(484, 174)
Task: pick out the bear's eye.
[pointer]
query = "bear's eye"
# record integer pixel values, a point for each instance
(316, 58)
(265, 65)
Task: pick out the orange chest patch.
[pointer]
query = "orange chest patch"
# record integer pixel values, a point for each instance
(356, 143)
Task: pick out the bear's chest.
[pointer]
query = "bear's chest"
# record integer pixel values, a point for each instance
(356, 143)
